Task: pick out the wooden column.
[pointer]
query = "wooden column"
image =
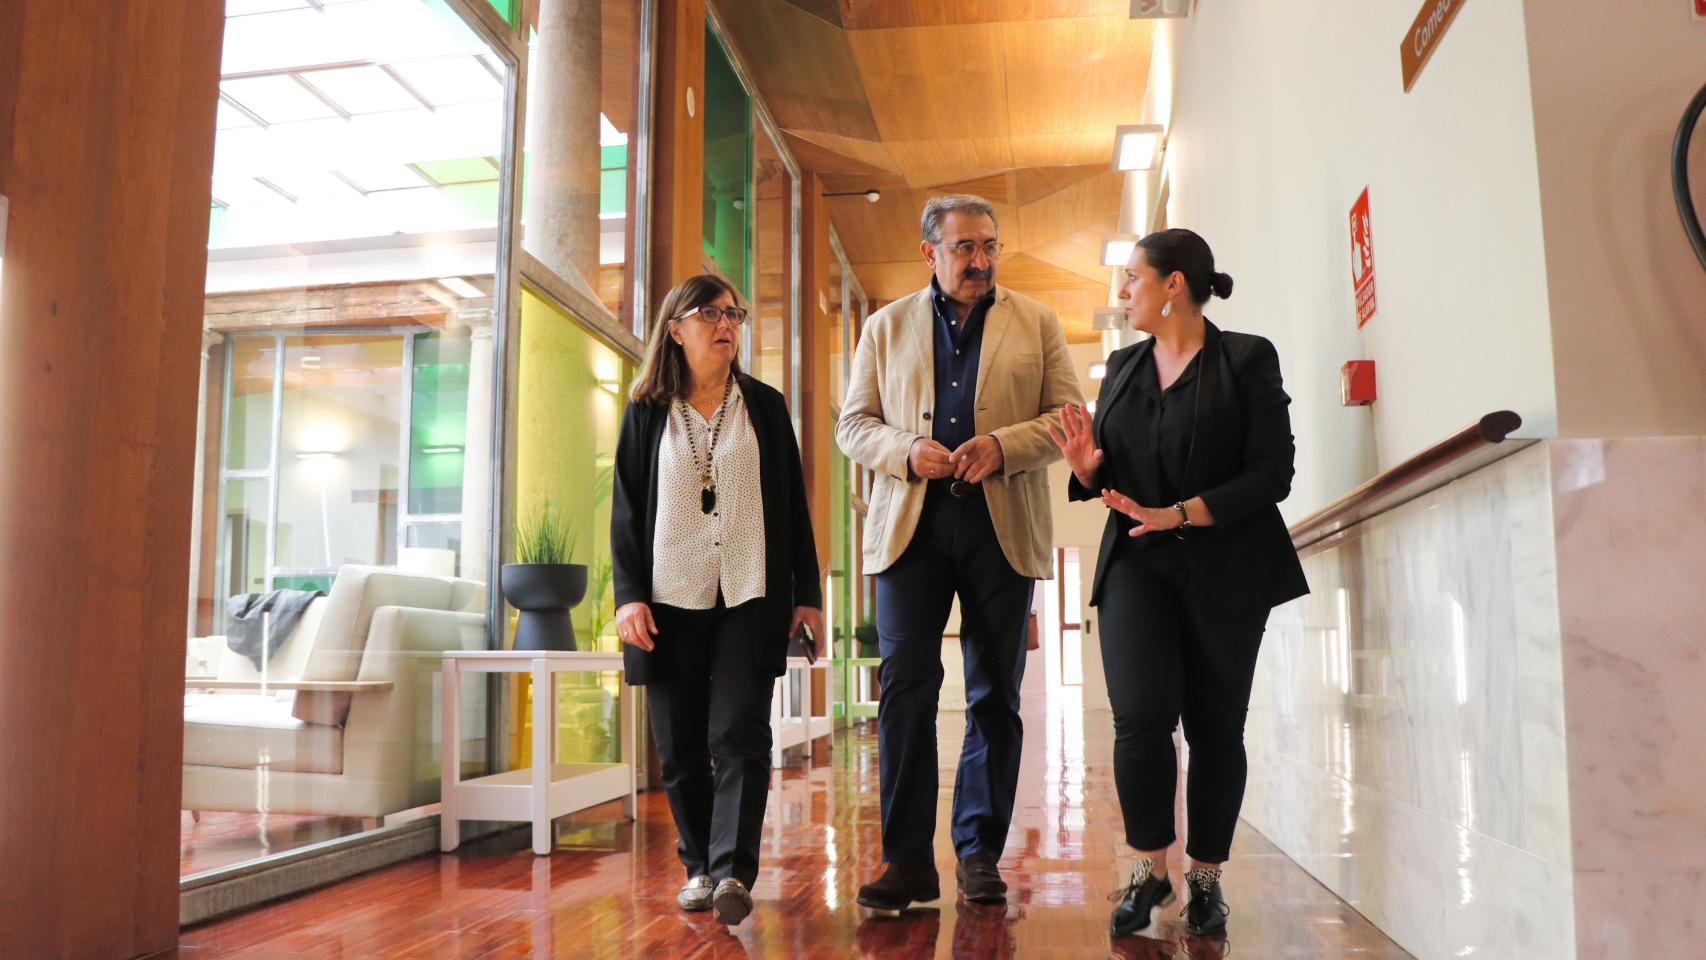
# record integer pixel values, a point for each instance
(106, 150)
(817, 429)
(678, 151)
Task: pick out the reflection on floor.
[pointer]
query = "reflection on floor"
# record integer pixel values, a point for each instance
(222, 839)
(609, 889)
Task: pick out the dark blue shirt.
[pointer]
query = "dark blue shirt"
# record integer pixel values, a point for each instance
(953, 419)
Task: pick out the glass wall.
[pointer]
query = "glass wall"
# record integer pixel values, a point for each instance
(570, 389)
(850, 613)
(770, 339)
(728, 168)
(349, 367)
(580, 120)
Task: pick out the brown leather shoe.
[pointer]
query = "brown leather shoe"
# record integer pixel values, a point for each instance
(980, 880)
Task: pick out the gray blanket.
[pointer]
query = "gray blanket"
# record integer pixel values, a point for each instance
(244, 617)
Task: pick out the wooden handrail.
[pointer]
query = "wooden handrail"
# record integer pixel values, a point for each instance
(1462, 453)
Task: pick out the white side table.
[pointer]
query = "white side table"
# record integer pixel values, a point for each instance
(789, 728)
(547, 789)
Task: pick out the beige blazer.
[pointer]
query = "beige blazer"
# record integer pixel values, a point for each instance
(1024, 375)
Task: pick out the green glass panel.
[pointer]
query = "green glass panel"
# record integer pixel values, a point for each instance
(475, 200)
(463, 170)
(613, 191)
(727, 236)
(216, 224)
(320, 582)
(505, 9)
(439, 423)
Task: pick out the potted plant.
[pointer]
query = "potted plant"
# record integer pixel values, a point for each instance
(542, 584)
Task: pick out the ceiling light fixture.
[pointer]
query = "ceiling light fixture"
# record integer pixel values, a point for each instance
(1137, 146)
(1116, 250)
(461, 287)
(1098, 371)
(872, 195)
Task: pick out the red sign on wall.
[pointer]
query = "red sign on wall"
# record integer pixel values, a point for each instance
(1362, 259)
(1700, 9)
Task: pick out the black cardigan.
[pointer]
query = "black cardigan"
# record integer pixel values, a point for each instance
(790, 551)
(1240, 463)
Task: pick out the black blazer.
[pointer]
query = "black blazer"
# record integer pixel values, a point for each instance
(790, 550)
(1240, 463)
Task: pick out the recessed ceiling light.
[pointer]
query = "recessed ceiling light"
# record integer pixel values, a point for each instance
(1137, 146)
(1116, 250)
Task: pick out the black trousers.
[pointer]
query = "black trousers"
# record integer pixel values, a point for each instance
(953, 551)
(1165, 661)
(710, 712)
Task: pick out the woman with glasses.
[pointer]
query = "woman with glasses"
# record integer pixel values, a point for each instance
(715, 566)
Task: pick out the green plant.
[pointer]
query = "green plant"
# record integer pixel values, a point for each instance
(602, 616)
(544, 536)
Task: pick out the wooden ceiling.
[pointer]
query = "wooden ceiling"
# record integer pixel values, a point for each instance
(1016, 100)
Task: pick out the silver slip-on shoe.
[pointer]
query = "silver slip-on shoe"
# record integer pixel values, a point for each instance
(732, 902)
(695, 895)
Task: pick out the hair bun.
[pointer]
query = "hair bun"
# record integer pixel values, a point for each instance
(1221, 285)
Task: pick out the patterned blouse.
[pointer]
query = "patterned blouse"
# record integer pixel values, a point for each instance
(694, 553)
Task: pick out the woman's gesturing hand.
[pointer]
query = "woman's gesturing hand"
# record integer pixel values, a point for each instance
(634, 624)
(1077, 444)
(1148, 519)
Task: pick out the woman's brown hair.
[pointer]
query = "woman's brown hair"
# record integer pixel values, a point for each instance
(664, 375)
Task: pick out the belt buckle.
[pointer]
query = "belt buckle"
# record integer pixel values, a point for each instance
(959, 488)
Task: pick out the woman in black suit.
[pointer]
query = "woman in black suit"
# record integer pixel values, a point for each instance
(714, 566)
(1191, 449)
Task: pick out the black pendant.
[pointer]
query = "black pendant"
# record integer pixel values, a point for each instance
(707, 499)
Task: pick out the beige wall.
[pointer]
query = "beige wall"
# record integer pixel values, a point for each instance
(1280, 115)
(1628, 298)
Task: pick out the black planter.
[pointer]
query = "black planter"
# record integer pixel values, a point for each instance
(543, 593)
(866, 636)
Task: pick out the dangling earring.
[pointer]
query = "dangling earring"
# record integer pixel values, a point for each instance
(1167, 309)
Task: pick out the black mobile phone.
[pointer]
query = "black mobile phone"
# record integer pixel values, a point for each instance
(807, 642)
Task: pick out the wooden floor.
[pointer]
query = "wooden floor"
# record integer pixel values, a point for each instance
(609, 889)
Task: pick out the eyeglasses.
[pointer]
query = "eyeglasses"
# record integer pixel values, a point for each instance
(969, 248)
(713, 315)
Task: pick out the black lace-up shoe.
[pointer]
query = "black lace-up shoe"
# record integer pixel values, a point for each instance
(1138, 899)
(1206, 911)
(900, 886)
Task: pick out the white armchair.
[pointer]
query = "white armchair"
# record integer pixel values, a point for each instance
(346, 723)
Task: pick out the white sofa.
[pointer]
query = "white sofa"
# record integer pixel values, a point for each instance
(346, 722)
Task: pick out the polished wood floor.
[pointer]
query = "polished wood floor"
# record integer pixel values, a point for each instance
(609, 889)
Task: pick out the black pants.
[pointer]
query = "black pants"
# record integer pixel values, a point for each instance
(710, 712)
(1165, 661)
(953, 551)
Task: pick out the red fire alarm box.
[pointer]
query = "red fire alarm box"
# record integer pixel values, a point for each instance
(1356, 383)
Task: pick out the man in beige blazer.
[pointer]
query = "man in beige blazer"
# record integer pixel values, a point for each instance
(950, 395)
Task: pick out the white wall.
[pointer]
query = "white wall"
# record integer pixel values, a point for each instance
(1281, 114)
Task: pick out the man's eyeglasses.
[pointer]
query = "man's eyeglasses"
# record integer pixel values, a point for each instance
(969, 248)
(714, 315)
